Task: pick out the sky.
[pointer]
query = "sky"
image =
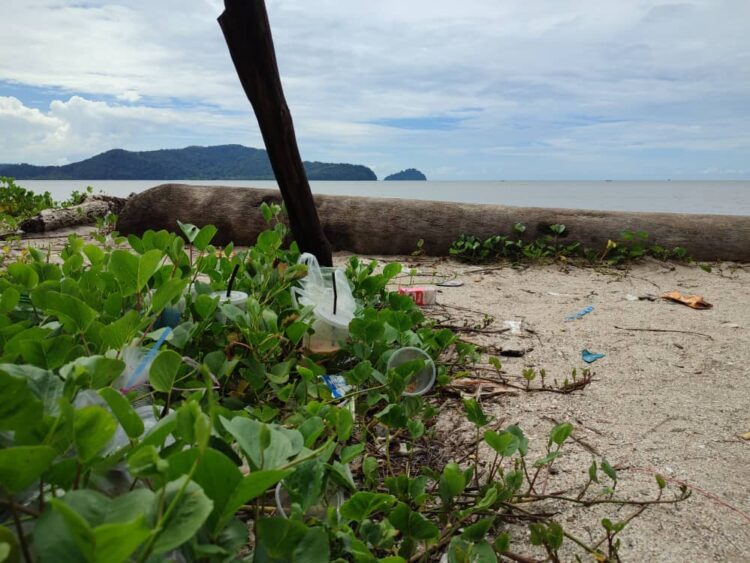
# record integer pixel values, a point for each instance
(472, 90)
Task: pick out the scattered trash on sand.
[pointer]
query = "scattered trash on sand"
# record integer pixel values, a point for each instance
(579, 314)
(451, 283)
(513, 326)
(421, 295)
(692, 301)
(590, 357)
(631, 297)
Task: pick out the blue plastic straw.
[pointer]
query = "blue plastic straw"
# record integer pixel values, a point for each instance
(148, 358)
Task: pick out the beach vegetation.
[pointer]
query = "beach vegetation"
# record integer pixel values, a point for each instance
(627, 249)
(18, 203)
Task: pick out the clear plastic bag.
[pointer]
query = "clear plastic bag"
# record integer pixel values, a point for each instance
(328, 293)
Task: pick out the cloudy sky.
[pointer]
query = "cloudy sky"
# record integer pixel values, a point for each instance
(477, 89)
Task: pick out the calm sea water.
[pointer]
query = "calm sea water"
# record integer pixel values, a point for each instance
(715, 197)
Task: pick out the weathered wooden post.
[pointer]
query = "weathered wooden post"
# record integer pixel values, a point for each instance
(247, 32)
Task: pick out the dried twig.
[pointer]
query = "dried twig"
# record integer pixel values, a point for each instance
(457, 328)
(665, 330)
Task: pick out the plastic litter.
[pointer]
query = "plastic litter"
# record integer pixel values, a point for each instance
(514, 326)
(170, 316)
(337, 385)
(421, 295)
(329, 294)
(692, 301)
(138, 361)
(236, 298)
(579, 314)
(422, 381)
(590, 357)
(144, 411)
(631, 297)
(451, 283)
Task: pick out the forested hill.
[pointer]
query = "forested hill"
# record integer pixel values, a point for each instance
(408, 174)
(223, 162)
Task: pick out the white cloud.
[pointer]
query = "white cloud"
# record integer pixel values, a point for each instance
(26, 128)
(79, 128)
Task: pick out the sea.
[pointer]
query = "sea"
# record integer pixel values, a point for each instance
(712, 197)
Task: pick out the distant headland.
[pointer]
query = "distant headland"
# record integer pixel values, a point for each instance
(222, 162)
(408, 174)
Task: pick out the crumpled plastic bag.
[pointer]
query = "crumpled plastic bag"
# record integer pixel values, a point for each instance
(328, 293)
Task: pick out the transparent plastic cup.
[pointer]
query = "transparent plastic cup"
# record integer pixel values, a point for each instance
(236, 298)
(424, 379)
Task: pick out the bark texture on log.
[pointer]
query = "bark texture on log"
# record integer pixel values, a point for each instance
(248, 36)
(379, 226)
(86, 213)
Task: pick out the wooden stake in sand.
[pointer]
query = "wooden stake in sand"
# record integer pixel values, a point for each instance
(247, 32)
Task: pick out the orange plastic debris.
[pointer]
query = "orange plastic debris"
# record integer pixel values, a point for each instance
(693, 301)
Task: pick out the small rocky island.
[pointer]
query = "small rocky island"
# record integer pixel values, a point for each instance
(408, 174)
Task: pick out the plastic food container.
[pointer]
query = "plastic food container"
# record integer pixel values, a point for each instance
(424, 379)
(236, 298)
(329, 332)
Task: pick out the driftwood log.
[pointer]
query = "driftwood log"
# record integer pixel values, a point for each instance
(379, 226)
(248, 36)
(85, 213)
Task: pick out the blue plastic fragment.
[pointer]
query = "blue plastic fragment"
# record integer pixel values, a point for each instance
(590, 357)
(579, 314)
(148, 358)
(170, 316)
(337, 385)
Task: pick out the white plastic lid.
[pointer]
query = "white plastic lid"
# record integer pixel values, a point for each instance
(235, 297)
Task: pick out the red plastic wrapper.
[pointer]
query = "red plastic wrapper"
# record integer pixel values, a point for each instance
(421, 295)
